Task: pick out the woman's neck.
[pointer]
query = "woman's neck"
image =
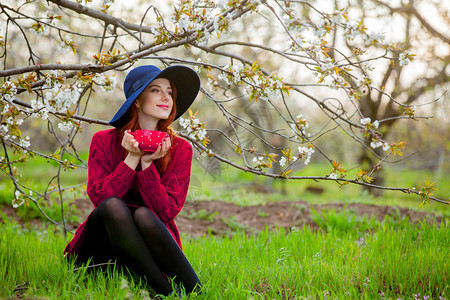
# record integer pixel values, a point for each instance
(148, 124)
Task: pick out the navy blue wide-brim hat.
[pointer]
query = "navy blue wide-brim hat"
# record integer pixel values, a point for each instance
(186, 82)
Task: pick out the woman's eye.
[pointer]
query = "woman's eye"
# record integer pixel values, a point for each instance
(154, 90)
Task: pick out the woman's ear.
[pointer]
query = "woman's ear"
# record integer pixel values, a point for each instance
(138, 105)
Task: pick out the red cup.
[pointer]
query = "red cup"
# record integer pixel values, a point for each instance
(149, 140)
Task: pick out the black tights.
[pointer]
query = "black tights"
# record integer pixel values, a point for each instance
(139, 240)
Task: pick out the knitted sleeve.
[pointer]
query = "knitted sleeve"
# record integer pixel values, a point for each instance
(104, 178)
(166, 195)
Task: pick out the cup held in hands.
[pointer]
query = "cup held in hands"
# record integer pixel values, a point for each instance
(149, 140)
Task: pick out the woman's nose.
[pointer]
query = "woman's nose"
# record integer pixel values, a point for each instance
(166, 96)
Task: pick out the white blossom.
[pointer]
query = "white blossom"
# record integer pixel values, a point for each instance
(222, 4)
(336, 18)
(4, 129)
(65, 126)
(39, 29)
(351, 30)
(53, 78)
(404, 59)
(376, 144)
(327, 66)
(206, 36)
(246, 92)
(374, 37)
(106, 83)
(300, 126)
(367, 67)
(211, 84)
(24, 142)
(283, 161)
(276, 83)
(181, 121)
(321, 32)
(201, 134)
(315, 47)
(63, 97)
(39, 109)
(224, 76)
(196, 67)
(18, 200)
(237, 69)
(333, 176)
(365, 121)
(184, 22)
(64, 46)
(337, 82)
(376, 124)
(194, 128)
(9, 90)
(5, 109)
(306, 153)
(185, 122)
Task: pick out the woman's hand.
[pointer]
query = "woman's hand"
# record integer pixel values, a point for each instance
(147, 158)
(130, 144)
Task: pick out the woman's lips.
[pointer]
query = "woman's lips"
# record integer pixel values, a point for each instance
(164, 107)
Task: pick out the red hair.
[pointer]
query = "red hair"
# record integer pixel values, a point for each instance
(163, 125)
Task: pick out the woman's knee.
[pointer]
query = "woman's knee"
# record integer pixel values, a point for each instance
(114, 207)
(146, 219)
(112, 203)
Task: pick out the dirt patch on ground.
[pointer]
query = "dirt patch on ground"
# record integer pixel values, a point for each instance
(220, 218)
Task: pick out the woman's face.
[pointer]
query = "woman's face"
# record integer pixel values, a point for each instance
(156, 100)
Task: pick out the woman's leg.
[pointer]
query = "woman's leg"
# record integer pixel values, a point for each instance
(164, 249)
(113, 217)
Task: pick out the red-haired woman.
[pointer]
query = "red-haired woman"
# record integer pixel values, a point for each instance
(137, 195)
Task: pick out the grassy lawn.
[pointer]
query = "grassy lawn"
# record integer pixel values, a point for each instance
(360, 260)
(389, 262)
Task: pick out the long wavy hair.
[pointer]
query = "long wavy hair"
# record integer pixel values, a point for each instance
(163, 125)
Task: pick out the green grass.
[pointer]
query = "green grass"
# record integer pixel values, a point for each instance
(339, 263)
(33, 260)
(352, 257)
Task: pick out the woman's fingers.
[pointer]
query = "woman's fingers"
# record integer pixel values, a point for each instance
(162, 149)
(166, 145)
(130, 144)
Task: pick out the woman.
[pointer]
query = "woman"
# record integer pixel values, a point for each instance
(137, 195)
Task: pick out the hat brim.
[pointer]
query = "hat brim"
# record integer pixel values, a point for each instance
(186, 82)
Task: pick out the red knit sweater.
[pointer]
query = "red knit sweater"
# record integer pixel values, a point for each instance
(108, 176)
